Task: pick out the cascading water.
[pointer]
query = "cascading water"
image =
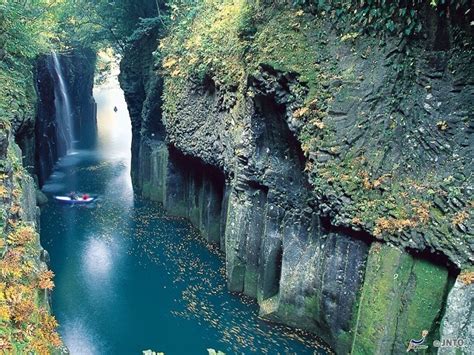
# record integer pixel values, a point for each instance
(63, 109)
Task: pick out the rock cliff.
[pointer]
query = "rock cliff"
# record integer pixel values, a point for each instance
(334, 174)
(79, 67)
(25, 281)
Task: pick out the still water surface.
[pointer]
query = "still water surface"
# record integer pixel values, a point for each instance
(131, 278)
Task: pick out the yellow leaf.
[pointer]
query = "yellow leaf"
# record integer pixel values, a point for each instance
(300, 112)
(169, 62)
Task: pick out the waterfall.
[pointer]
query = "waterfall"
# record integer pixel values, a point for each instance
(62, 105)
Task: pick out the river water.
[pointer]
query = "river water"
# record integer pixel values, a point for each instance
(130, 278)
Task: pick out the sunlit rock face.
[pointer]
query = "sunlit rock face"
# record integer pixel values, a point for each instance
(232, 164)
(77, 69)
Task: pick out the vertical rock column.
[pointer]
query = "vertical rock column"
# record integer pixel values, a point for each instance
(321, 277)
(243, 236)
(401, 297)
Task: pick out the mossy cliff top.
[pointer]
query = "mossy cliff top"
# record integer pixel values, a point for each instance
(384, 119)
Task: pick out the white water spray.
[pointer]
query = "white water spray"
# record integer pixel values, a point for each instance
(63, 108)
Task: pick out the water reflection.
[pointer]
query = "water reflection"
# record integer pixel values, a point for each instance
(97, 259)
(114, 128)
(79, 339)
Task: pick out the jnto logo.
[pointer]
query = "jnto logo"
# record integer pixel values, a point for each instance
(417, 344)
(449, 343)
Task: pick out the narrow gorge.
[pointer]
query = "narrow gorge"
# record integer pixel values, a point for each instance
(270, 177)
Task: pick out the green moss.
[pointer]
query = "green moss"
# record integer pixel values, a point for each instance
(401, 296)
(312, 305)
(230, 39)
(289, 41)
(151, 191)
(422, 302)
(17, 93)
(250, 281)
(387, 272)
(213, 230)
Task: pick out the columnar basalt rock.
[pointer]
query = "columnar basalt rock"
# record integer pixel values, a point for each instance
(80, 70)
(139, 82)
(232, 163)
(401, 297)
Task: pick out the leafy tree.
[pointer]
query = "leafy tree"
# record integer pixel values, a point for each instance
(402, 18)
(99, 23)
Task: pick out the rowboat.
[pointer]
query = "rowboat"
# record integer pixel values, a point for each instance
(69, 200)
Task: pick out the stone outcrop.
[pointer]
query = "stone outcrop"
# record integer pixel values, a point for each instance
(80, 70)
(458, 321)
(142, 91)
(232, 163)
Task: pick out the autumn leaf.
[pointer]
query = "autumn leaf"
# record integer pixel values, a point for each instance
(3, 192)
(169, 62)
(300, 112)
(45, 281)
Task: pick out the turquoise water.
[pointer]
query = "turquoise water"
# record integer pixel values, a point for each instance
(130, 278)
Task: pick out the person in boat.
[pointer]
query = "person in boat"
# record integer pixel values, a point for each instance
(85, 196)
(73, 196)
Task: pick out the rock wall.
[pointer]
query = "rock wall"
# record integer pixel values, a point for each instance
(25, 303)
(234, 165)
(142, 92)
(78, 68)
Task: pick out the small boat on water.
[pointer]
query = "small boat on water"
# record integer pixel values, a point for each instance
(69, 200)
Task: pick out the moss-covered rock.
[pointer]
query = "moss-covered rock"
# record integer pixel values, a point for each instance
(401, 297)
(362, 111)
(25, 322)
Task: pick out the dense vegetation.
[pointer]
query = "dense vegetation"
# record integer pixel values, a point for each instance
(228, 41)
(31, 28)
(399, 18)
(25, 322)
